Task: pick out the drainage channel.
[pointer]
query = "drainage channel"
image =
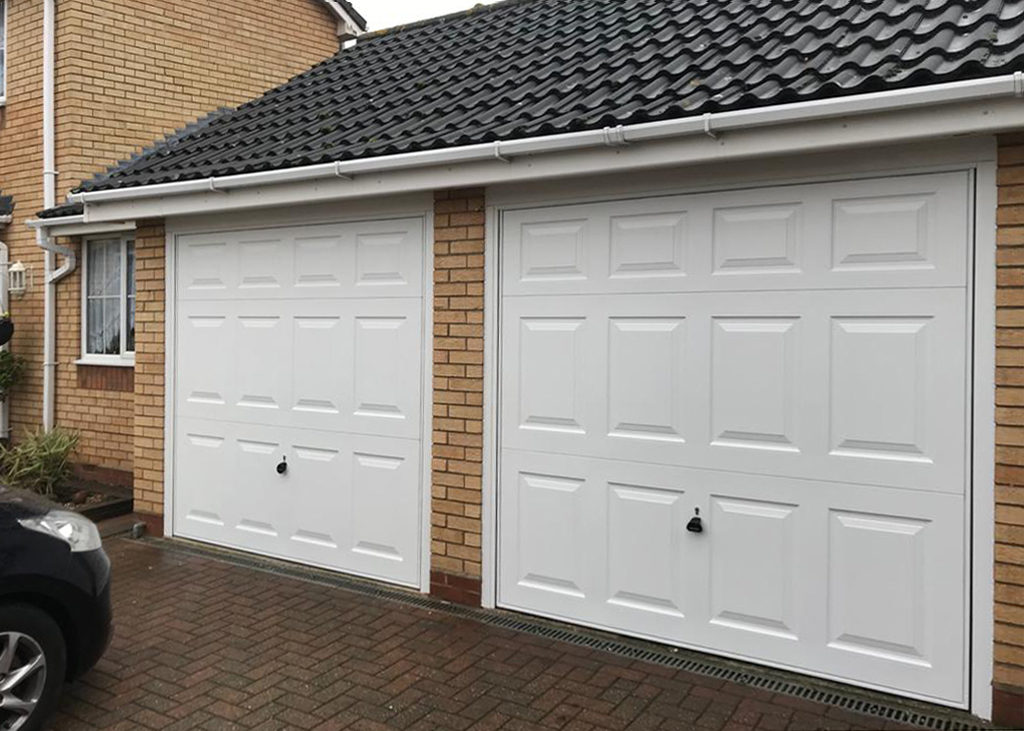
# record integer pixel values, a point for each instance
(865, 702)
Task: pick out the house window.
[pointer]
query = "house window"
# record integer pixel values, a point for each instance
(3, 51)
(108, 302)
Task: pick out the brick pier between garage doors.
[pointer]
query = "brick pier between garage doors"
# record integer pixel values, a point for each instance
(457, 465)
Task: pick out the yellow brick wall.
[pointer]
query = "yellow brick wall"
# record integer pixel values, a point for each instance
(458, 394)
(21, 175)
(1009, 549)
(148, 436)
(102, 418)
(128, 72)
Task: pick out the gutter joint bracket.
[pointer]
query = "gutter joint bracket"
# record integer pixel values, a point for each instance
(615, 136)
(338, 173)
(707, 126)
(1018, 84)
(214, 188)
(498, 155)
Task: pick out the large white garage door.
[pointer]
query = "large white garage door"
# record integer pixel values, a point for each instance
(299, 350)
(792, 363)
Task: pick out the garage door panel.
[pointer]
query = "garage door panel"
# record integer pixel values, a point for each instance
(320, 367)
(385, 396)
(552, 383)
(755, 365)
(203, 380)
(893, 232)
(646, 371)
(207, 266)
(389, 258)
(770, 578)
(897, 591)
(758, 239)
(361, 259)
(753, 559)
(345, 501)
(205, 459)
(645, 536)
(261, 364)
(874, 555)
(348, 365)
(786, 383)
(264, 263)
(649, 245)
(880, 387)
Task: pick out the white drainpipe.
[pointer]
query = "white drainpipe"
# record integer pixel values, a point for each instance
(51, 275)
(5, 411)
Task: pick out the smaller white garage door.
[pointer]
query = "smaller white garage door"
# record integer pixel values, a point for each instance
(789, 365)
(298, 382)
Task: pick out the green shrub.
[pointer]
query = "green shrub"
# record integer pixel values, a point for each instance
(11, 369)
(41, 461)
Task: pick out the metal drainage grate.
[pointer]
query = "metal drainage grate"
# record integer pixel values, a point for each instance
(865, 702)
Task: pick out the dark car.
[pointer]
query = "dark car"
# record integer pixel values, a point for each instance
(55, 619)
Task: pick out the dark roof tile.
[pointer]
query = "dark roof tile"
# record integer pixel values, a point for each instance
(523, 68)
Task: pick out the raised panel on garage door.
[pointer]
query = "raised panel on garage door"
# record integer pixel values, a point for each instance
(789, 365)
(298, 385)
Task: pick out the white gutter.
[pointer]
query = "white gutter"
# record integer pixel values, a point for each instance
(1011, 85)
(77, 226)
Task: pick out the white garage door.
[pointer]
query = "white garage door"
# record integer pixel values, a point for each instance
(300, 349)
(791, 362)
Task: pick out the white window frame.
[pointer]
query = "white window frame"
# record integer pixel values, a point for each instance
(3, 48)
(126, 357)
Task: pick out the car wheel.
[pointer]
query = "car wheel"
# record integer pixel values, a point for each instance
(33, 659)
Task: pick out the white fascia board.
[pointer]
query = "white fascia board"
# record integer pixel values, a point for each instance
(850, 132)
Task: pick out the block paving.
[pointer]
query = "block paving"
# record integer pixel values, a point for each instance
(202, 643)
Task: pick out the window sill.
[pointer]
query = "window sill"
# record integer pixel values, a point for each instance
(107, 360)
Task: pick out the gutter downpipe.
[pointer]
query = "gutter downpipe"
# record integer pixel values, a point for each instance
(43, 240)
(5, 411)
(712, 125)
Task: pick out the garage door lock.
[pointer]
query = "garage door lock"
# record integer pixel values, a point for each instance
(695, 526)
(282, 467)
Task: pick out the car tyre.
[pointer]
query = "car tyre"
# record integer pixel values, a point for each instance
(29, 638)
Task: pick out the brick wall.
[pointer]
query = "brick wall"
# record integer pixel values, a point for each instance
(88, 401)
(1009, 549)
(132, 70)
(21, 175)
(148, 438)
(128, 72)
(458, 395)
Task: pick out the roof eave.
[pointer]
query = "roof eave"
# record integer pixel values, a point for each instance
(926, 98)
(350, 24)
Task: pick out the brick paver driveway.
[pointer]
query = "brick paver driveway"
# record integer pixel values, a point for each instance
(206, 644)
